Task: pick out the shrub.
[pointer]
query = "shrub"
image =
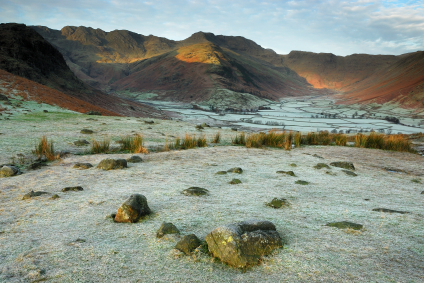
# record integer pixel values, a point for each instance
(46, 148)
(134, 144)
(217, 138)
(100, 146)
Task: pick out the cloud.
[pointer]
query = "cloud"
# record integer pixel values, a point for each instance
(340, 27)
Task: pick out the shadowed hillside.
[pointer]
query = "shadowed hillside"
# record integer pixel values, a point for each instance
(25, 53)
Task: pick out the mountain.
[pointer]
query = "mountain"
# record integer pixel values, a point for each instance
(199, 67)
(25, 53)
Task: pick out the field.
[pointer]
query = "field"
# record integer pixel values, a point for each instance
(73, 238)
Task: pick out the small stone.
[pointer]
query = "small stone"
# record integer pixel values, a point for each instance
(75, 189)
(79, 165)
(345, 225)
(290, 173)
(234, 182)
(55, 196)
(330, 173)
(133, 209)
(86, 131)
(293, 165)
(237, 170)
(317, 156)
(195, 191)
(188, 244)
(221, 172)
(91, 112)
(390, 210)
(9, 171)
(45, 111)
(109, 164)
(350, 173)
(81, 142)
(343, 164)
(149, 122)
(366, 199)
(321, 165)
(167, 228)
(64, 153)
(278, 203)
(36, 165)
(134, 159)
(234, 129)
(33, 194)
(300, 182)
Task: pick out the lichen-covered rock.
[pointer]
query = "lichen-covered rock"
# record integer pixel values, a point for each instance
(293, 165)
(75, 189)
(36, 165)
(343, 164)
(34, 194)
(278, 203)
(390, 210)
(301, 182)
(82, 165)
(221, 172)
(242, 244)
(188, 244)
(237, 170)
(133, 209)
(134, 159)
(195, 191)
(109, 164)
(167, 228)
(290, 173)
(350, 173)
(9, 171)
(55, 196)
(345, 225)
(234, 182)
(321, 165)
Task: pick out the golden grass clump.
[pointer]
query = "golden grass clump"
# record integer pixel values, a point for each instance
(297, 139)
(217, 138)
(387, 142)
(324, 138)
(46, 148)
(340, 139)
(239, 139)
(375, 140)
(188, 142)
(360, 140)
(397, 143)
(100, 146)
(134, 144)
(311, 139)
(272, 139)
(201, 141)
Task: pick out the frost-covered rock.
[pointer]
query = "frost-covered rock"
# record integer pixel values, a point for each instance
(188, 244)
(237, 170)
(109, 164)
(242, 244)
(32, 194)
(278, 203)
(80, 165)
(290, 173)
(343, 164)
(195, 191)
(345, 225)
(135, 159)
(167, 228)
(9, 171)
(133, 209)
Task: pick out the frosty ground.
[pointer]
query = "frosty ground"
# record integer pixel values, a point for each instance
(72, 239)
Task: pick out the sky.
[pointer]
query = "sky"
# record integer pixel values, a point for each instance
(329, 26)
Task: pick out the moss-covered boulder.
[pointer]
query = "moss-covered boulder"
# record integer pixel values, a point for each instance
(343, 164)
(321, 165)
(167, 228)
(350, 173)
(109, 164)
(242, 244)
(188, 244)
(237, 170)
(234, 182)
(290, 173)
(133, 209)
(345, 225)
(73, 189)
(81, 142)
(195, 191)
(278, 203)
(134, 159)
(80, 165)
(293, 165)
(221, 173)
(301, 182)
(32, 194)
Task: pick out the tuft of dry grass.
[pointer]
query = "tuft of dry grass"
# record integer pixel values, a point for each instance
(239, 139)
(324, 138)
(360, 140)
(217, 138)
(46, 148)
(340, 139)
(188, 142)
(297, 139)
(272, 139)
(100, 146)
(375, 140)
(201, 141)
(311, 139)
(397, 143)
(134, 144)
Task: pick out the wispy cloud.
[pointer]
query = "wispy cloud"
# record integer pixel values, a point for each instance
(341, 27)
